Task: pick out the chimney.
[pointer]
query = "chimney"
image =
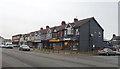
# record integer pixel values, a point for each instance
(75, 19)
(47, 27)
(114, 35)
(41, 28)
(63, 23)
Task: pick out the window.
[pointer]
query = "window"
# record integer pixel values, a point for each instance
(65, 33)
(49, 31)
(77, 32)
(70, 31)
(61, 34)
(55, 30)
(99, 33)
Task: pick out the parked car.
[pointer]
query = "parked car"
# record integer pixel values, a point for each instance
(117, 52)
(15, 45)
(106, 51)
(24, 48)
(9, 46)
(2, 46)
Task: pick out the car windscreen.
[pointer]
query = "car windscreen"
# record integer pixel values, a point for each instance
(106, 49)
(25, 46)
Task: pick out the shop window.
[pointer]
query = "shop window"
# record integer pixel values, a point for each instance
(66, 43)
(54, 35)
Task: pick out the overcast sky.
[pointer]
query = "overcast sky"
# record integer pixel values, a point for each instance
(24, 16)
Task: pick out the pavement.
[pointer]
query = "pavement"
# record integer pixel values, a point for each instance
(16, 58)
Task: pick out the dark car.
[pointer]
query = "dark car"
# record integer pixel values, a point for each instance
(24, 48)
(15, 45)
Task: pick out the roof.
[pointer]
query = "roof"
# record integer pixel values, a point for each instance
(44, 31)
(17, 35)
(73, 24)
(116, 38)
(81, 22)
(62, 27)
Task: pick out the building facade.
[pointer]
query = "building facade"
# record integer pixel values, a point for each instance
(16, 39)
(80, 35)
(115, 41)
(1, 40)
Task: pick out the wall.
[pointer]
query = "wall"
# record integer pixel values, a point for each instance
(89, 36)
(84, 37)
(1, 40)
(97, 38)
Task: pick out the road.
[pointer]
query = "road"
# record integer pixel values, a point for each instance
(16, 58)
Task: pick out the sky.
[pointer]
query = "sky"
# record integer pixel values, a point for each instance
(24, 16)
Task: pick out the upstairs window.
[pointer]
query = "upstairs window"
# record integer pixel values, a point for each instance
(77, 32)
(49, 31)
(69, 31)
(99, 34)
(65, 33)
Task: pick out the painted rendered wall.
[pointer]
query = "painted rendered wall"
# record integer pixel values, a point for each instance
(84, 37)
(87, 41)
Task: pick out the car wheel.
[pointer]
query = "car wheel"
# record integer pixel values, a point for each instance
(115, 54)
(19, 49)
(107, 54)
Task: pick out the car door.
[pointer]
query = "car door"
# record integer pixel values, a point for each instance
(110, 51)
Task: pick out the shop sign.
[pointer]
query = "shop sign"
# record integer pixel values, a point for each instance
(67, 39)
(33, 40)
(44, 40)
(36, 41)
(15, 40)
(54, 40)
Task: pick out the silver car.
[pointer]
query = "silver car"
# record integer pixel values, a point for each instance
(9, 46)
(117, 52)
(2, 46)
(24, 48)
(106, 51)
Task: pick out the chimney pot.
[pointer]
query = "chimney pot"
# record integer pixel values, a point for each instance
(114, 35)
(47, 27)
(41, 28)
(75, 19)
(63, 23)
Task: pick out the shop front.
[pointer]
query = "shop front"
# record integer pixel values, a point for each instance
(54, 44)
(45, 44)
(70, 44)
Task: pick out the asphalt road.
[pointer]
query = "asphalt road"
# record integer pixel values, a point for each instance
(16, 58)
